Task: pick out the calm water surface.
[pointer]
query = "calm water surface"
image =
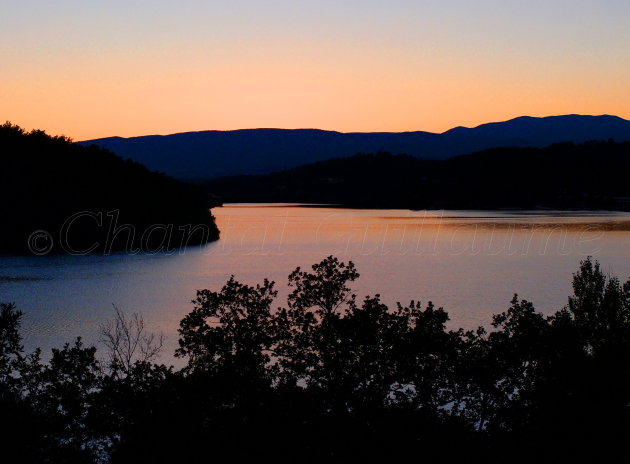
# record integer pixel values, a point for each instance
(471, 263)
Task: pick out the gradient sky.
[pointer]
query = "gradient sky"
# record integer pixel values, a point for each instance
(94, 69)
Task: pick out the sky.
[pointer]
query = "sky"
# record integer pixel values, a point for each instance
(95, 69)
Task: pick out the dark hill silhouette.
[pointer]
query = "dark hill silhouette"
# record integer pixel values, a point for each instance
(46, 180)
(211, 154)
(586, 176)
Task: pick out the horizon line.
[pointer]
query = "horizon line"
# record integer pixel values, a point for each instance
(355, 132)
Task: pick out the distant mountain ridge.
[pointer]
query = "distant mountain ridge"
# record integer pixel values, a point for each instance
(211, 154)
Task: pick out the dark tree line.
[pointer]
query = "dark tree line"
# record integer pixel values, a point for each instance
(329, 377)
(45, 181)
(564, 176)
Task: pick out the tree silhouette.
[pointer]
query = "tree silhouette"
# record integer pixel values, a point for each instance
(331, 377)
(89, 199)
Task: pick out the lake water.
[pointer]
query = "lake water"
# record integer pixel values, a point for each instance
(471, 263)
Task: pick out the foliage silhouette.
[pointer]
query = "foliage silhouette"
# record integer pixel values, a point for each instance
(46, 181)
(331, 377)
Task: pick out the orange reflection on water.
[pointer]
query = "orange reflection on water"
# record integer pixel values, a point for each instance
(264, 229)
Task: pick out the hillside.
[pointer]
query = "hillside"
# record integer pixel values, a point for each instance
(565, 176)
(46, 182)
(211, 154)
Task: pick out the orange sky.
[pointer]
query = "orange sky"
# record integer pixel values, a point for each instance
(384, 70)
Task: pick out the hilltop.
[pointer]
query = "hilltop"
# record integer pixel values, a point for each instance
(562, 176)
(82, 195)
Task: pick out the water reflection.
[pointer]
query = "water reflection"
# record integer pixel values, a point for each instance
(469, 262)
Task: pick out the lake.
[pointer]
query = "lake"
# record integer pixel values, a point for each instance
(469, 262)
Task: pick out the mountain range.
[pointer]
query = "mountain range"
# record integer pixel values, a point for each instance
(212, 154)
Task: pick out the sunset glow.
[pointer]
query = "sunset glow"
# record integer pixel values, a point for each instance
(88, 70)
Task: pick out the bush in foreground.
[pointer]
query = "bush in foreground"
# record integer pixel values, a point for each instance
(331, 377)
